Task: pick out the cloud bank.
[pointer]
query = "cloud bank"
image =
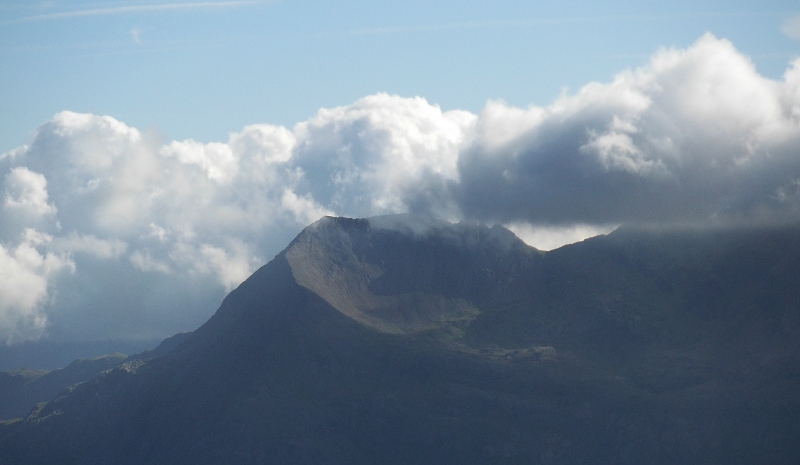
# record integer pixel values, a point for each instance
(697, 135)
(108, 231)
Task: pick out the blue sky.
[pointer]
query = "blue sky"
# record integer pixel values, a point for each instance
(154, 154)
(202, 69)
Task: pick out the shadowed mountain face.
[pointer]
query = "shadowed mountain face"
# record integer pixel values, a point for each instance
(397, 340)
(22, 390)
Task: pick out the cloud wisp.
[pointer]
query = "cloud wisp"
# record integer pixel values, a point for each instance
(554, 21)
(109, 231)
(791, 27)
(130, 9)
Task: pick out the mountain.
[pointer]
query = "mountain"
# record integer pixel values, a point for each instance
(29, 387)
(49, 355)
(406, 340)
(21, 390)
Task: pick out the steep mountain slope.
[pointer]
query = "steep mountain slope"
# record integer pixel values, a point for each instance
(398, 340)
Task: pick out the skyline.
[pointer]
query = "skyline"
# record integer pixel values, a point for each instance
(200, 70)
(129, 216)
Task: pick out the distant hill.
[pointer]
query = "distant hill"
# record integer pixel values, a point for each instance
(50, 355)
(31, 387)
(22, 390)
(398, 340)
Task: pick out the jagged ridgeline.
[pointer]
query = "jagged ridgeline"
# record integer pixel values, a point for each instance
(404, 340)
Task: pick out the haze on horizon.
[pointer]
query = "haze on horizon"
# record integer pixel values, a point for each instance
(111, 229)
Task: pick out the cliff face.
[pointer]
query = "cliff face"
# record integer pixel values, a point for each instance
(402, 340)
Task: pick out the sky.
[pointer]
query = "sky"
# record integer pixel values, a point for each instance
(154, 154)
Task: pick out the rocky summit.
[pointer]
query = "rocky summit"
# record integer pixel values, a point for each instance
(407, 340)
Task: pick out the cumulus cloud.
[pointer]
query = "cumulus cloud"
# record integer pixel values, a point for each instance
(26, 190)
(697, 135)
(114, 201)
(232, 266)
(376, 155)
(115, 232)
(215, 159)
(25, 274)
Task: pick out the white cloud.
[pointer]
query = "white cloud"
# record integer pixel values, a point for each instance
(27, 191)
(696, 135)
(91, 245)
(215, 159)
(157, 232)
(616, 151)
(264, 143)
(372, 157)
(553, 237)
(231, 266)
(11, 154)
(25, 283)
(142, 260)
(304, 209)
(152, 227)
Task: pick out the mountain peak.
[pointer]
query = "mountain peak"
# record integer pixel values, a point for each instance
(343, 260)
(402, 340)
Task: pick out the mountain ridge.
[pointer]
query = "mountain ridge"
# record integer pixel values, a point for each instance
(636, 347)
